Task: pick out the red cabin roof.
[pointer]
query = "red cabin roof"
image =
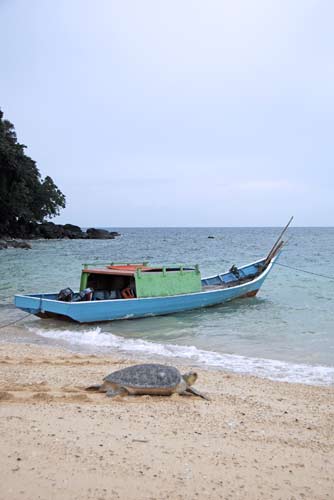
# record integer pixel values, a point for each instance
(121, 270)
(129, 267)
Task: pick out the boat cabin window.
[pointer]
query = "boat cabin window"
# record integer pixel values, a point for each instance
(107, 286)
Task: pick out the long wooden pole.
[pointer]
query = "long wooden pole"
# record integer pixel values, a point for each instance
(278, 243)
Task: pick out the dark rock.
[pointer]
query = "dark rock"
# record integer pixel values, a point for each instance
(99, 234)
(49, 230)
(14, 244)
(19, 244)
(73, 232)
(72, 228)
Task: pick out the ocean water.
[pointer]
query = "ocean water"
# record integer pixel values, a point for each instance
(285, 333)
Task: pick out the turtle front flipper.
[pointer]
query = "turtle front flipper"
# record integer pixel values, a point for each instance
(191, 390)
(120, 391)
(93, 388)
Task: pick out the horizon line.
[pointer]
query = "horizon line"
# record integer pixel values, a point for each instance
(201, 227)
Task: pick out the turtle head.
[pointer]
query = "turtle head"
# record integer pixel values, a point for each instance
(190, 378)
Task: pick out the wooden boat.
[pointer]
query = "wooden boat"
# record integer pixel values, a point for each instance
(124, 291)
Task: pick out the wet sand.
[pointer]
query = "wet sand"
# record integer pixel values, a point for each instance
(255, 439)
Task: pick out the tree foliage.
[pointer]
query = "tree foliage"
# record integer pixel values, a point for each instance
(25, 198)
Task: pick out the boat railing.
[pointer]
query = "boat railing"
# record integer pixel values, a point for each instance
(145, 264)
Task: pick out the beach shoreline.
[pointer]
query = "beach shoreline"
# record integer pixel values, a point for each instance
(254, 439)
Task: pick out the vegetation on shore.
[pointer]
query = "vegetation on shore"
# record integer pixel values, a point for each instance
(26, 200)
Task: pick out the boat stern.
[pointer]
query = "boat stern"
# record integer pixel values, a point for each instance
(41, 305)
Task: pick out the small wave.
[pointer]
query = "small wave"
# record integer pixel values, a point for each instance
(265, 368)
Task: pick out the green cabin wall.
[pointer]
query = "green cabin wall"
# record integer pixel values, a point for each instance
(162, 283)
(83, 281)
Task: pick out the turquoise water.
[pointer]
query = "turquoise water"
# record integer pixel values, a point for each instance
(291, 321)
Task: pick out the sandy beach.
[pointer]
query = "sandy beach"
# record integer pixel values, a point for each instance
(254, 439)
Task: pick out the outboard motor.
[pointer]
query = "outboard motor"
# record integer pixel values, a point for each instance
(65, 295)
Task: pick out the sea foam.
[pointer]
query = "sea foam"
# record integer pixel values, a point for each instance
(265, 368)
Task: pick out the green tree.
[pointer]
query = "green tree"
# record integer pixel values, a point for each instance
(25, 198)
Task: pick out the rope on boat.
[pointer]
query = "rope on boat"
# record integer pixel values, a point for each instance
(13, 322)
(304, 271)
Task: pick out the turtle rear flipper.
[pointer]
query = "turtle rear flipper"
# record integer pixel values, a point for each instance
(120, 391)
(194, 391)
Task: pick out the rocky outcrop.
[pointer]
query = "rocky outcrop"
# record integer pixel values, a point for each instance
(52, 231)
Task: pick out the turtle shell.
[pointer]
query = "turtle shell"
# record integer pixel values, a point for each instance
(146, 376)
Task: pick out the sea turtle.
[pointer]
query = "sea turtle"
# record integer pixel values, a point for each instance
(151, 378)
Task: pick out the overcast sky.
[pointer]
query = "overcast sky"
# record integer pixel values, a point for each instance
(175, 112)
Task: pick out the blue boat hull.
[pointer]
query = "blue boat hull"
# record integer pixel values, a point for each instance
(46, 305)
